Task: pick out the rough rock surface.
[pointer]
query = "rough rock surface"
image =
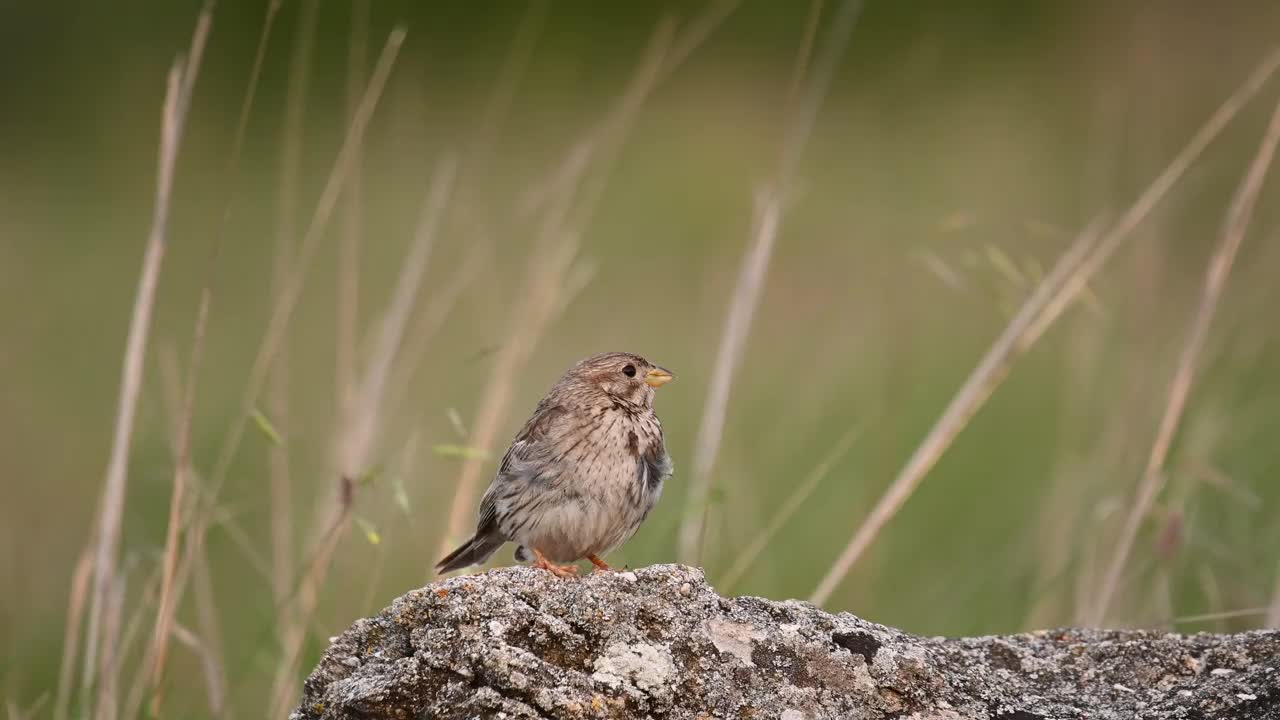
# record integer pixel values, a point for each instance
(660, 643)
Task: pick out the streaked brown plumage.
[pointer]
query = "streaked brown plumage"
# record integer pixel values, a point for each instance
(583, 473)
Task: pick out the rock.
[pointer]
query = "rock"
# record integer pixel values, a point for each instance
(660, 643)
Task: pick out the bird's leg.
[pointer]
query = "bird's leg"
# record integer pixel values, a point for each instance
(541, 561)
(600, 564)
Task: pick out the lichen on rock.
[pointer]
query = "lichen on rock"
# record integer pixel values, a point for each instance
(660, 643)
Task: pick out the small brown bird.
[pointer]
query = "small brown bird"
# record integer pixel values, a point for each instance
(582, 474)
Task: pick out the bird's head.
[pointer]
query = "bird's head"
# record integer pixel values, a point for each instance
(619, 376)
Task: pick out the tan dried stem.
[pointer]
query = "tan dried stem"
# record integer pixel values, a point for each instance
(71, 636)
(538, 297)
(347, 313)
(695, 33)
(788, 509)
(1208, 617)
(283, 691)
(755, 266)
(148, 604)
(742, 305)
(279, 477)
(104, 621)
(170, 589)
(1273, 613)
(496, 108)
(1235, 226)
(549, 270)
(355, 440)
(1039, 311)
(287, 300)
(209, 630)
(282, 310)
(1015, 339)
(176, 401)
(432, 318)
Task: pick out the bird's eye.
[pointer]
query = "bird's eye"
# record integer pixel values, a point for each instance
(629, 371)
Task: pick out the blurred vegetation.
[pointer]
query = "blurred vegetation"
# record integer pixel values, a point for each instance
(960, 149)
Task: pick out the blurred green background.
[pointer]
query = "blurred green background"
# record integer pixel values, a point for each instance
(960, 149)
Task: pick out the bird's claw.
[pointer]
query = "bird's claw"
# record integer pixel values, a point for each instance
(561, 571)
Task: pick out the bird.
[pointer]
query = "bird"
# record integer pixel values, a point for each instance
(581, 475)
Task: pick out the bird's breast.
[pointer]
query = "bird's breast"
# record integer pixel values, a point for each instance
(609, 472)
(605, 458)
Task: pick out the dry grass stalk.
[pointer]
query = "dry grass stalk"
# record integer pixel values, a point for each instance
(512, 73)
(279, 480)
(355, 440)
(752, 273)
(1159, 188)
(549, 270)
(1213, 596)
(143, 610)
(282, 310)
(206, 608)
(695, 33)
(602, 149)
(788, 508)
(982, 381)
(209, 629)
(114, 650)
(347, 313)
(676, 52)
(801, 69)
(539, 296)
(173, 397)
(71, 636)
(432, 318)
(742, 305)
(291, 137)
(18, 713)
(1236, 225)
(472, 171)
(182, 441)
(406, 463)
(180, 405)
(102, 623)
(1210, 617)
(283, 690)
(297, 616)
(1273, 613)
(1036, 315)
(188, 638)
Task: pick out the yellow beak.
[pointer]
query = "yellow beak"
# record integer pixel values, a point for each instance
(658, 377)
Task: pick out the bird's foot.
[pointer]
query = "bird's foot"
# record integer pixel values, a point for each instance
(562, 571)
(600, 564)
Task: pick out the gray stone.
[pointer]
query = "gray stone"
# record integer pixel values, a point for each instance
(660, 643)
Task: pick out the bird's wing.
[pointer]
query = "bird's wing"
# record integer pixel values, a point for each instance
(655, 464)
(526, 451)
(531, 442)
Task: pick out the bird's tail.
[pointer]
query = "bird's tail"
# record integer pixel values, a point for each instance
(472, 552)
